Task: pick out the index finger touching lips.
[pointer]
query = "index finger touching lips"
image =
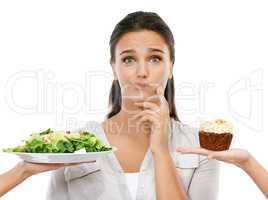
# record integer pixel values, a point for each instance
(156, 95)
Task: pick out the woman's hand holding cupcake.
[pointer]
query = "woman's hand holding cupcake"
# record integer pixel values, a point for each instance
(215, 139)
(238, 157)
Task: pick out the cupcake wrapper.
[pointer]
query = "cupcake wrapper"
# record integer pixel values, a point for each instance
(214, 141)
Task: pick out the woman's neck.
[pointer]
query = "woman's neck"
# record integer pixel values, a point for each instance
(123, 123)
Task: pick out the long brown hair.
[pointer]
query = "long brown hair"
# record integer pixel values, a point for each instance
(134, 22)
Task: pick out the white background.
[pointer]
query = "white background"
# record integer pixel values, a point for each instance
(55, 72)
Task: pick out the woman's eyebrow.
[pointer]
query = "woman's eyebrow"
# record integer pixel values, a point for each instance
(127, 51)
(157, 50)
(150, 49)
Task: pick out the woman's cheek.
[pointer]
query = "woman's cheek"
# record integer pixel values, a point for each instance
(126, 73)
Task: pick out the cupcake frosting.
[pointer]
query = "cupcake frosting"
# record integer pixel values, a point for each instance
(217, 126)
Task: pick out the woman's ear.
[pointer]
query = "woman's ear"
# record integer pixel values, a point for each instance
(112, 63)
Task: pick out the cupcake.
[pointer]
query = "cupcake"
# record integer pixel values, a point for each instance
(216, 135)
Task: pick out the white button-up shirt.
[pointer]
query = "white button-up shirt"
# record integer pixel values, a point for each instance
(105, 179)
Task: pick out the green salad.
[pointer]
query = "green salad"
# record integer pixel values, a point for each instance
(49, 141)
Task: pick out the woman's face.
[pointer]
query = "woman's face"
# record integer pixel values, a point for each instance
(142, 63)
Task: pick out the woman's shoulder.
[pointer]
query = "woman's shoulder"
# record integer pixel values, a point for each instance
(77, 171)
(185, 134)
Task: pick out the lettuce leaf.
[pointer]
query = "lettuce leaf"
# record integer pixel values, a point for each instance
(49, 141)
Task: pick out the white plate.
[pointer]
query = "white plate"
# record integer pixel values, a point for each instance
(62, 157)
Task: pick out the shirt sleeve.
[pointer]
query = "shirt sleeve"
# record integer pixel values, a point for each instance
(57, 189)
(205, 181)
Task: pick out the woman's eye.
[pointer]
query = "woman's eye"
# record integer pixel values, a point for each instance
(155, 59)
(128, 60)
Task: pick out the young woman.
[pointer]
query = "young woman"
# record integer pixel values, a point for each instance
(21, 172)
(238, 157)
(143, 125)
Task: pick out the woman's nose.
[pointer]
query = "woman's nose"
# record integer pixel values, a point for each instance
(142, 71)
